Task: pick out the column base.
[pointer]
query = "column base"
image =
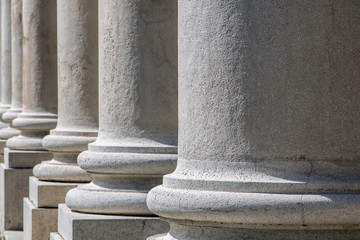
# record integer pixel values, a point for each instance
(55, 236)
(182, 232)
(40, 209)
(77, 226)
(38, 222)
(14, 179)
(13, 235)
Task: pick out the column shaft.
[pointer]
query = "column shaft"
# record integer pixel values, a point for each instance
(77, 90)
(137, 140)
(268, 122)
(5, 58)
(16, 71)
(39, 75)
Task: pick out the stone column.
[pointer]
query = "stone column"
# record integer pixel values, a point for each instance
(5, 59)
(137, 142)
(16, 74)
(77, 116)
(268, 122)
(39, 108)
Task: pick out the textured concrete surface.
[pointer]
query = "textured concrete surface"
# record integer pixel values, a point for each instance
(137, 141)
(48, 194)
(78, 226)
(24, 159)
(16, 71)
(38, 222)
(14, 186)
(39, 75)
(14, 177)
(268, 122)
(5, 58)
(77, 63)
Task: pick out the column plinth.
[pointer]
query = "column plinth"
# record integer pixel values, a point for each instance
(137, 142)
(268, 133)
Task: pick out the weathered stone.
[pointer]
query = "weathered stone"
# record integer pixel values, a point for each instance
(75, 226)
(39, 75)
(77, 87)
(137, 142)
(38, 222)
(268, 122)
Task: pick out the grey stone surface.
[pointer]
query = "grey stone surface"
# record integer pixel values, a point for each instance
(268, 122)
(38, 222)
(39, 104)
(137, 141)
(16, 71)
(78, 226)
(48, 194)
(24, 159)
(77, 87)
(14, 186)
(5, 59)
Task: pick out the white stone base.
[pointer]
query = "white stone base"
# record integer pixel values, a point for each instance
(14, 186)
(38, 222)
(48, 194)
(79, 226)
(55, 236)
(40, 209)
(14, 180)
(13, 235)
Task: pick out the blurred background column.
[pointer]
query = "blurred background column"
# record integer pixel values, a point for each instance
(39, 108)
(77, 116)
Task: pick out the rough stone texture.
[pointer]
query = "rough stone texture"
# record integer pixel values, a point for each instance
(24, 159)
(137, 142)
(48, 194)
(5, 59)
(269, 128)
(15, 185)
(77, 87)
(38, 222)
(16, 71)
(39, 75)
(77, 226)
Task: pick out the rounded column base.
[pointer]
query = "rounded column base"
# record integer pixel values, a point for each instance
(60, 172)
(9, 132)
(91, 198)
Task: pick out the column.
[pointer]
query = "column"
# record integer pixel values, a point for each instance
(39, 108)
(137, 140)
(77, 116)
(5, 59)
(268, 122)
(16, 75)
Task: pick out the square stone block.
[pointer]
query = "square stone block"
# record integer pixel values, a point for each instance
(79, 226)
(13, 235)
(14, 186)
(38, 222)
(48, 194)
(25, 159)
(55, 236)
